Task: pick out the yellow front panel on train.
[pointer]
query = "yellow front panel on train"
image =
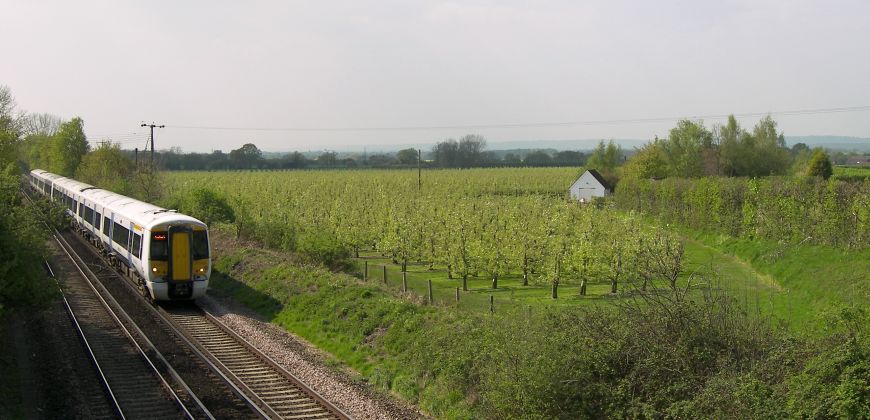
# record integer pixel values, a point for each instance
(181, 256)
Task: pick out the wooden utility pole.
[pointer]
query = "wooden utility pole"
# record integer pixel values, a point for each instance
(419, 170)
(152, 125)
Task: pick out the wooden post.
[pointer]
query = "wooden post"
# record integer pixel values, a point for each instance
(366, 273)
(404, 282)
(385, 273)
(430, 292)
(457, 295)
(491, 304)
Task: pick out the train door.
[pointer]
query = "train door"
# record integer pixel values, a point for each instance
(180, 261)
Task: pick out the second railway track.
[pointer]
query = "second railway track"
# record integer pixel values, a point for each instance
(135, 387)
(246, 375)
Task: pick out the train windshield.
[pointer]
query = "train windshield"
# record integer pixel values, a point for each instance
(200, 244)
(159, 250)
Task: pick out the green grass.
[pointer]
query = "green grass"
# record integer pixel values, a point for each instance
(727, 272)
(810, 280)
(851, 172)
(445, 358)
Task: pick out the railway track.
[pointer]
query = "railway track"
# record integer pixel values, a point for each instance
(252, 378)
(135, 387)
(275, 390)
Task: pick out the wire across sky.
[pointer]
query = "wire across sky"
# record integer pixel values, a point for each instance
(812, 111)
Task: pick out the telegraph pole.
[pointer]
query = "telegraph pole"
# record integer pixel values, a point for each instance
(152, 125)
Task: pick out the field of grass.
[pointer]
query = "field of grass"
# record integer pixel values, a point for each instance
(761, 318)
(811, 280)
(725, 271)
(459, 363)
(851, 172)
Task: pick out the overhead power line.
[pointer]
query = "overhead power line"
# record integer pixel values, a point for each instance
(531, 124)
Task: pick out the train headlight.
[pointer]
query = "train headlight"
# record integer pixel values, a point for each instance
(154, 269)
(202, 270)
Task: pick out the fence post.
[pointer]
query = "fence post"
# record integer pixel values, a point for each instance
(491, 304)
(385, 273)
(457, 295)
(366, 273)
(404, 282)
(430, 292)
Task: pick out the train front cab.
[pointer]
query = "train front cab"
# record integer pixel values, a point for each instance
(178, 257)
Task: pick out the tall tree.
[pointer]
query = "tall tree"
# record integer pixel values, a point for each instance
(446, 153)
(648, 162)
(820, 164)
(41, 124)
(471, 149)
(246, 157)
(107, 167)
(772, 157)
(605, 157)
(732, 160)
(407, 156)
(71, 145)
(683, 147)
(10, 122)
(10, 132)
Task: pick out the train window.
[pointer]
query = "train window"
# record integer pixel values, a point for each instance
(81, 209)
(89, 215)
(200, 244)
(75, 205)
(121, 236)
(137, 245)
(159, 249)
(97, 220)
(106, 225)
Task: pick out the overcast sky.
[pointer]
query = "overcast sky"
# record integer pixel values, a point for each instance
(393, 64)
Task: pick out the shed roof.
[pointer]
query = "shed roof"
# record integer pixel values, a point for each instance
(599, 178)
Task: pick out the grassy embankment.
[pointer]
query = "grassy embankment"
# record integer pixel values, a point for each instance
(810, 280)
(449, 361)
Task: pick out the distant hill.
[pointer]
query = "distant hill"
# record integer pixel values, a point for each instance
(845, 143)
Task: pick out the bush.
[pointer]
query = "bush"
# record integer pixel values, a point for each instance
(209, 206)
(324, 249)
(23, 282)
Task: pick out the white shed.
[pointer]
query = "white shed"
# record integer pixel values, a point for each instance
(590, 185)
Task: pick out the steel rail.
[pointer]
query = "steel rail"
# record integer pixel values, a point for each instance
(275, 365)
(229, 382)
(81, 267)
(108, 387)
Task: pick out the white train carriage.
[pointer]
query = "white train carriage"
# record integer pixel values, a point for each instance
(165, 252)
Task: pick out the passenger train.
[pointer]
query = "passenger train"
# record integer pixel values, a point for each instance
(164, 252)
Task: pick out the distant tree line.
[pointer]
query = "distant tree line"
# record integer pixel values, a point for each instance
(691, 150)
(468, 152)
